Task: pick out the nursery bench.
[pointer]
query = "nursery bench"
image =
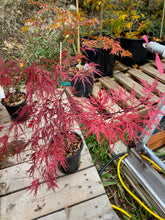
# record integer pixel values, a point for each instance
(79, 196)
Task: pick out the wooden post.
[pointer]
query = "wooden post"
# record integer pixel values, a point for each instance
(162, 23)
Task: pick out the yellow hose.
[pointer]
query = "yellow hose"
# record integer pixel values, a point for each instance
(151, 162)
(121, 210)
(136, 198)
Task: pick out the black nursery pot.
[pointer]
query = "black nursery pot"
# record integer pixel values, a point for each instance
(73, 162)
(104, 59)
(83, 88)
(135, 46)
(15, 110)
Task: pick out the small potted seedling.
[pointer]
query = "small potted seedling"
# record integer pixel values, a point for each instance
(11, 76)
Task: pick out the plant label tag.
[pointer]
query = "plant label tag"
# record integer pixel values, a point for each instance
(2, 94)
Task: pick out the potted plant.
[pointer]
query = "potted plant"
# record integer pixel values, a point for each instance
(73, 25)
(10, 79)
(53, 141)
(68, 23)
(52, 119)
(126, 124)
(129, 24)
(157, 18)
(100, 47)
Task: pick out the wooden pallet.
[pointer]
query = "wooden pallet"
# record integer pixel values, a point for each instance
(129, 78)
(80, 195)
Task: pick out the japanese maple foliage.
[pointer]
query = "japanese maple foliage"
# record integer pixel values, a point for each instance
(10, 73)
(51, 116)
(125, 124)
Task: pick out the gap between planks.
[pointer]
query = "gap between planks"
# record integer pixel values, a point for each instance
(73, 188)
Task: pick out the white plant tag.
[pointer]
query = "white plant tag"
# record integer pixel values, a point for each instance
(2, 94)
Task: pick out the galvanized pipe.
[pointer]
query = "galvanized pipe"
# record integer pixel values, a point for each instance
(144, 139)
(143, 148)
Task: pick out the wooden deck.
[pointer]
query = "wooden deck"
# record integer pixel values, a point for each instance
(80, 195)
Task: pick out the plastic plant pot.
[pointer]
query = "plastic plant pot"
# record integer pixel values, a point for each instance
(135, 46)
(82, 88)
(72, 162)
(15, 110)
(104, 59)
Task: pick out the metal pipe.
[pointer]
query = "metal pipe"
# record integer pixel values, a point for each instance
(145, 138)
(143, 148)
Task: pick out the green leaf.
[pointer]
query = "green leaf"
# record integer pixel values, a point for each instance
(107, 175)
(109, 183)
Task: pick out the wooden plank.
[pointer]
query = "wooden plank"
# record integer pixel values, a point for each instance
(154, 64)
(17, 177)
(13, 160)
(4, 116)
(80, 186)
(109, 83)
(153, 72)
(120, 66)
(156, 140)
(92, 210)
(142, 76)
(131, 84)
(110, 108)
(163, 60)
(83, 101)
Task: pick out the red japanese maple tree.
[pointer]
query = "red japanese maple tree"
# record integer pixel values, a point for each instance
(52, 116)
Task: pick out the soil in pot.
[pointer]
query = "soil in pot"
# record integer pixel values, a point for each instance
(73, 155)
(14, 104)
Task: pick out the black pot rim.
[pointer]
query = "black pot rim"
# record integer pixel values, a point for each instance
(13, 105)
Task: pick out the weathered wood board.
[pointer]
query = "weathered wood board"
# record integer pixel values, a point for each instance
(81, 212)
(16, 177)
(79, 196)
(73, 189)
